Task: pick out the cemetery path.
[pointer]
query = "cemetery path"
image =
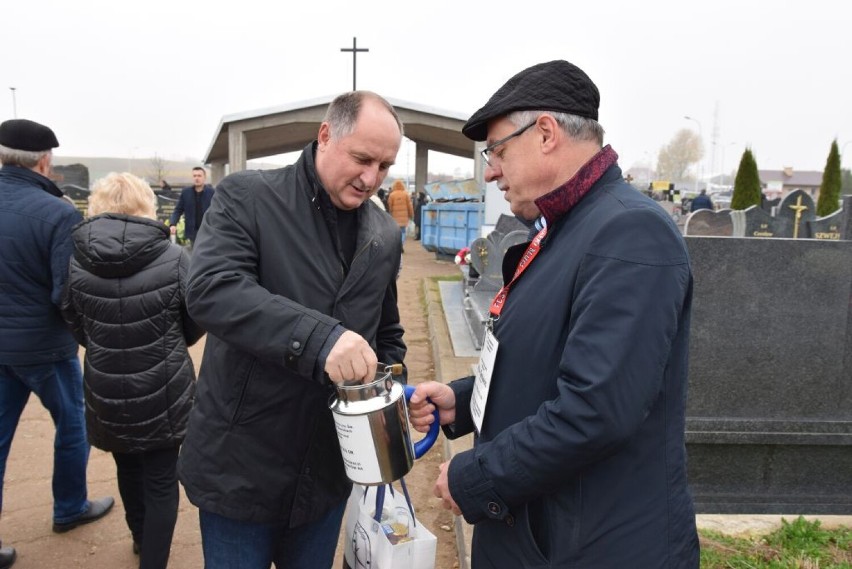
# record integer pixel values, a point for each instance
(106, 544)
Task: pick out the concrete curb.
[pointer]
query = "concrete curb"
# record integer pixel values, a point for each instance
(447, 368)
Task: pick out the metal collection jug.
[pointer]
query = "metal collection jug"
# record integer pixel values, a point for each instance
(372, 427)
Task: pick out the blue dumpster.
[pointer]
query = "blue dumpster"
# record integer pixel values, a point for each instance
(451, 221)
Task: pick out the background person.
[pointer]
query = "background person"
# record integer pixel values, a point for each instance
(420, 200)
(580, 458)
(701, 201)
(400, 208)
(193, 202)
(296, 287)
(37, 352)
(125, 304)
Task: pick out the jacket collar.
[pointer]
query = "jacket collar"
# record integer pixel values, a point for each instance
(32, 177)
(558, 202)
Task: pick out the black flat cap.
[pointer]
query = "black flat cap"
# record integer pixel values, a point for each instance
(21, 134)
(556, 86)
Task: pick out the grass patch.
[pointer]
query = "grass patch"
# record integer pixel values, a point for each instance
(800, 544)
(457, 277)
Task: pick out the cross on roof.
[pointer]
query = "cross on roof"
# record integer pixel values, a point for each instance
(354, 49)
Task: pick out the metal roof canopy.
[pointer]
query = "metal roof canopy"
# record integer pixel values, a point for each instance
(288, 128)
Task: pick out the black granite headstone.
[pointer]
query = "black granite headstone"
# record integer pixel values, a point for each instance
(166, 202)
(827, 227)
(79, 195)
(798, 208)
(758, 223)
(71, 175)
(769, 415)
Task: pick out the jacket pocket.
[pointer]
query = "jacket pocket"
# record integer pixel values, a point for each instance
(244, 387)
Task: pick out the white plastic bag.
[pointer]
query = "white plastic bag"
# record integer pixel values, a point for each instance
(383, 544)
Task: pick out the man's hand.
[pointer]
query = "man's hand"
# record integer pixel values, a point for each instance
(351, 358)
(420, 408)
(173, 230)
(442, 490)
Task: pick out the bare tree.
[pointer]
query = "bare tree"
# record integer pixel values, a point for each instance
(675, 158)
(158, 167)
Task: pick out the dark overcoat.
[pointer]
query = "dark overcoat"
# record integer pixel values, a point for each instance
(581, 460)
(270, 284)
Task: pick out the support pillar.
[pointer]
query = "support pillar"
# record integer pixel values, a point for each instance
(236, 149)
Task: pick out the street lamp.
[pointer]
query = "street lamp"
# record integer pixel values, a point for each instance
(14, 104)
(701, 137)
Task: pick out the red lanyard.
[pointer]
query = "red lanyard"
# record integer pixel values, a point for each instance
(532, 250)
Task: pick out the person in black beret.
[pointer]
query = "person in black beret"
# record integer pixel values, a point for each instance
(38, 354)
(578, 403)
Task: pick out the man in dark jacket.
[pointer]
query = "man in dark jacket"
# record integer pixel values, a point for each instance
(193, 202)
(294, 278)
(37, 352)
(578, 403)
(701, 201)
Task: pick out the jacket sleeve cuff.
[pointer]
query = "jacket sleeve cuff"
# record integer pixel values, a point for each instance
(463, 425)
(473, 491)
(330, 341)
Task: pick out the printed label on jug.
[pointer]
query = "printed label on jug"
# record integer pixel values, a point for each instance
(356, 445)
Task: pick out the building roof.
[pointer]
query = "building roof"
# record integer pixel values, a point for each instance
(289, 127)
(790, 177)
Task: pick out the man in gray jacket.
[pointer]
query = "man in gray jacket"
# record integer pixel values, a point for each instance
(294, 278)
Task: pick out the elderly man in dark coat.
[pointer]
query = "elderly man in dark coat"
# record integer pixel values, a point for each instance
(37, 352)
(578, 403)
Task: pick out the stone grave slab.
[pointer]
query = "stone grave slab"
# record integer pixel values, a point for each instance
(706, 222)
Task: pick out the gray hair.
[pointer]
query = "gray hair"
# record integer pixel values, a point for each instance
(342, 113)
(578, 128)
(22, 158)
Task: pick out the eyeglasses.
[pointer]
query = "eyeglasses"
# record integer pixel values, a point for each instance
(489, 150)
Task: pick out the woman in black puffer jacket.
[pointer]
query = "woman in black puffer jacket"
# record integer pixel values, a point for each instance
(125, 304)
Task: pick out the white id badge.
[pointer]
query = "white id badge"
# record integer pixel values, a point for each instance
(482, 381)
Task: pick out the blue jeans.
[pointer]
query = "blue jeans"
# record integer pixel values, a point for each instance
(233, 544)
(59, 386)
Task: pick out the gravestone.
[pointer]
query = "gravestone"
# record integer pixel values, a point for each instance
(846, 220)
(508, 223)
(769, 413)
(166, 202)
(79, 195)
(71, 175)
(797, 208)
(756, 222)
(770, 206)
(827, 227)
(486, 256)
(707, 222)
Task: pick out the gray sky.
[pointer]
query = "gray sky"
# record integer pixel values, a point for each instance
(131, 79)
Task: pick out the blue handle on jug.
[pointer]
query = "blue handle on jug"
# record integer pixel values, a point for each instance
(424, 444)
